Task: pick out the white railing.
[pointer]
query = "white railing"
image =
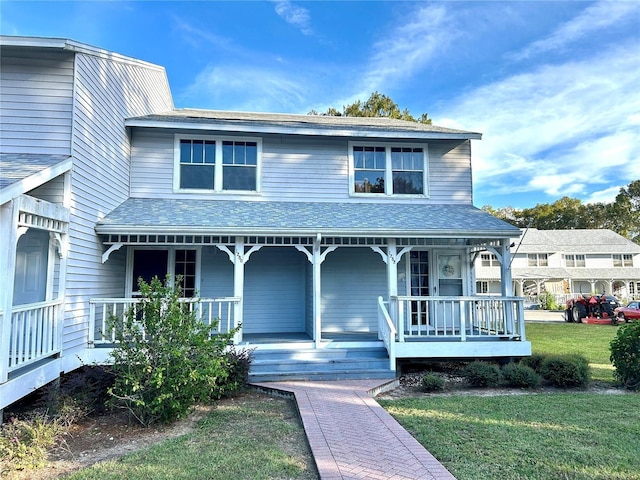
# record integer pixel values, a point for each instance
(34, 333)
(458, 318)
(387, 332)
(209, 310)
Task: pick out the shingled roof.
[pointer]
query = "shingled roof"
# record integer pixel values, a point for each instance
(148, 216)
(298, 124)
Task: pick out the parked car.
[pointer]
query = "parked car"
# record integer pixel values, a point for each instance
(628, 313)
(595, 306)
(613, 301)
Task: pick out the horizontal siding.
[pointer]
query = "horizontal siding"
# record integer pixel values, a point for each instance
(274, 292)
(51, 191)
(298, 169)
(106, 93)
(216, 274)
(36, 102)
(352, 280)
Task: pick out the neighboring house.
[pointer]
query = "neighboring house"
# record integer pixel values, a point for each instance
(313, 234)
(566, 263)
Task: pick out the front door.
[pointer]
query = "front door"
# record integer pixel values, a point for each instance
(32, 260)
(449, 274)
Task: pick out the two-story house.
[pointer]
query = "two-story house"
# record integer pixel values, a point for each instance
(336, 236)
(566, 263)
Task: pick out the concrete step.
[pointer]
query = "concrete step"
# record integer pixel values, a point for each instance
(320, 364)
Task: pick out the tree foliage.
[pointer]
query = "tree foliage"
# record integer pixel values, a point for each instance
(377, 105)
(622, 216)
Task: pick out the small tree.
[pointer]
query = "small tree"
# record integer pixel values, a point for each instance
(625, 355)
(166, 359)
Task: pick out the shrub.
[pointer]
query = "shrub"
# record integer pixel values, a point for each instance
(520, 376)
(625, 355)
(238, 363)
(566, 370)
(548, 301)
(534, 361)
(166, 359)
(481, 374)
(24, 443)
(432, 382)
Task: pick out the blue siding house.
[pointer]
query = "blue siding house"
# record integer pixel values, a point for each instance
(340, 246)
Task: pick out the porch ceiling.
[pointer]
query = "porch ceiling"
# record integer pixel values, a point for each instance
(138, 216)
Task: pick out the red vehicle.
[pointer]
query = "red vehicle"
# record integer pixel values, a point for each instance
(628, 313)
(589, 309)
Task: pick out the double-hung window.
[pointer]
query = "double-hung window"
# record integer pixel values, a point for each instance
(538, 260)
(623, 260)
(217, 164)
(388, 169)
(574, 260)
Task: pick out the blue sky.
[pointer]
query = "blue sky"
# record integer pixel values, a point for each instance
(553, 86)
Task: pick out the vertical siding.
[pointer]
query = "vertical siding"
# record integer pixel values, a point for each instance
(352, 280)
(36, 101)
(106, 92)
(274, 292)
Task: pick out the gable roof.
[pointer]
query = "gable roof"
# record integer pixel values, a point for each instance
(21, 172)
(574, 241)
(353, 219)
(297, 124)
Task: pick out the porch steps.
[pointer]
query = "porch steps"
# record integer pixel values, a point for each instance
(320, 364)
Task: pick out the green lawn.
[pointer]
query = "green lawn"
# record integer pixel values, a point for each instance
(592, 341)
(538, 437)
(256, 437)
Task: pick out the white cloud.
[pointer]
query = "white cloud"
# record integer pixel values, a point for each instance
(259, 89)
(594, 18)
(294, 15)
(559, 129)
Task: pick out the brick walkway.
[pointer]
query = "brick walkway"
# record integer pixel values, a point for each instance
(352, 437)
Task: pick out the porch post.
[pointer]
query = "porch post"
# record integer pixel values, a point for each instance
(507, 287)
(316, 257)
(8, 224)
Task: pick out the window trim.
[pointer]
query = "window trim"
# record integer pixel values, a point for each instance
(171, 265)
(573, 258)
(624, 262)
(388, 177)
(538, 257)
(218, 165)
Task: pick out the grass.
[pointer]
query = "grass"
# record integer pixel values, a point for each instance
(259, 438)
(591, 341)
(544, 436)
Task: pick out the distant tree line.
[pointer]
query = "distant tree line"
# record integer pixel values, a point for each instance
(622, 216)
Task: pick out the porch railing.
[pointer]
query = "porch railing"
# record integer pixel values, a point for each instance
(35, 333)
(387, 331)
(458, 318)
(208, 310)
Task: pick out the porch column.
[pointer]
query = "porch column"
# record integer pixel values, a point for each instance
(238, 257)
(391, 259)
(8, 224)
(505, 268)
(317, 256)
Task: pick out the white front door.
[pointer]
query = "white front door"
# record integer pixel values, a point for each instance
(449, 274)
(32, 259)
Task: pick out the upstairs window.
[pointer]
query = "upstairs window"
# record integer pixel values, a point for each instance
(538, 260)
(388, 170)
(215, 164)
(489, 260)
(574, 260)
(625, 260)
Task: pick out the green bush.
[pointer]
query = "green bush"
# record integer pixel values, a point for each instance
(24, 443)
(520, 376)
(237, 363)
(432, 382)
(534, 361)
(625, 355)
(566, 371)
(481, 374)
(548, 301)
(166, 359)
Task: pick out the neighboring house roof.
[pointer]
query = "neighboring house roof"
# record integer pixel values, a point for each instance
(172, 216)
(248, 122)
(573, 242)
(21, 172)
